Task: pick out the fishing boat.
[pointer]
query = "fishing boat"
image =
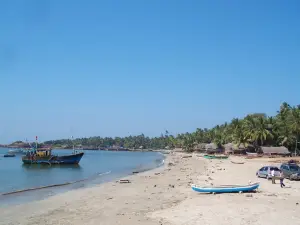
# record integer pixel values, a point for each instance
(9, 155)
(215, 156)
(226, 188)
(15, 151)
(44, 156)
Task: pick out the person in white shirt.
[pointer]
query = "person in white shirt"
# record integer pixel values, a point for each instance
(273, 176)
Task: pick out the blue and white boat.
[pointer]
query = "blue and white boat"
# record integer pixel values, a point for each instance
(226, 188)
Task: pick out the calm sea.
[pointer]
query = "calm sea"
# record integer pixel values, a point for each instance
(96, 166)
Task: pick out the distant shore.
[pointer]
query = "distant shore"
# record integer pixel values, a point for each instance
(107, 149)
(164, 196)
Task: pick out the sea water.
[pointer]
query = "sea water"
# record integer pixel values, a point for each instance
(95, 167)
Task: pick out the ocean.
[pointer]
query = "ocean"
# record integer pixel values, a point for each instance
(95, 167)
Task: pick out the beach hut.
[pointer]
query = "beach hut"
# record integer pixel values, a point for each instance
(200, 147)
(212, 148)
(231, 148)
(275, 151)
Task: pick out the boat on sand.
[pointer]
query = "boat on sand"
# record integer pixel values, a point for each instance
(215, 156)
(226, 188)
(235, 162)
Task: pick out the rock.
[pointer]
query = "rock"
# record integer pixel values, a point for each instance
(154, 185)
(172, 186)
(171, 164)
(109, 198)
(271, 194)
(297, 203)
(249, 195)
(210, 178)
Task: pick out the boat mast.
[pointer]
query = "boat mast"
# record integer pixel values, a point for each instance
(73, 144)
(36, 144)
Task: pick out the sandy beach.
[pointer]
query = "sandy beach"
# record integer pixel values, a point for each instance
(164, 196)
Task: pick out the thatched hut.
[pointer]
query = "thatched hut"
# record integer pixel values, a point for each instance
(200, 147)
(212, 148)
(231, 148)
(275, 150)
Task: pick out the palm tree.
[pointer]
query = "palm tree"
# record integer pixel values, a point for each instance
(256, 130)
(188, 142)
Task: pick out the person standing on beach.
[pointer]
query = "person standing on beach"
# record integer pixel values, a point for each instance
(273, 176)
(281, 179)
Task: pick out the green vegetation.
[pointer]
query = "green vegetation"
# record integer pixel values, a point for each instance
(255, 129)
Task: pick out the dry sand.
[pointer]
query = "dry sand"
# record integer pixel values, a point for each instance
(164, 196)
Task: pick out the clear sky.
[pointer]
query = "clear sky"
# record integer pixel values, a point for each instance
(113, 68)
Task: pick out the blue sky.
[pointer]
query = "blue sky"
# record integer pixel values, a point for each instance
(113, 68)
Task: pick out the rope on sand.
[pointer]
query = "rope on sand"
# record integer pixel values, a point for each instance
(54, 185)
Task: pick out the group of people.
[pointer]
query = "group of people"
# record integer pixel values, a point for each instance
(281, 178)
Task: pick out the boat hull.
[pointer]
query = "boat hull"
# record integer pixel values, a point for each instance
(9, 155)
(215, 157)
(65, 159)
(226, 189)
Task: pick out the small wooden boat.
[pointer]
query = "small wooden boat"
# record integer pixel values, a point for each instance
(226, 188)
(237, 162)
(251, 153)
(215, 156)
(9, 155)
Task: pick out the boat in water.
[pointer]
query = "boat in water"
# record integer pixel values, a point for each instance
(9, 155)
(226, 188)
(44, 156)
(16, 151)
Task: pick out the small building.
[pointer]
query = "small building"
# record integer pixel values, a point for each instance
(275, 151)
(212, 148)
(231, 148)
(200, 147)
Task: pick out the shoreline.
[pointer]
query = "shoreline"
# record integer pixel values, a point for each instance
(164, 196)
(60, 188)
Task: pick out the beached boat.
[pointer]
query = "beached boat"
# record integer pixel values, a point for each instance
(9, 155)
(251, 153)
(226, 188)
(215, 156)
(234, 162)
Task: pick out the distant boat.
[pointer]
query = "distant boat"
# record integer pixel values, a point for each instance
(226, 188)
(15, 151)
(215, 156)
(9, 155)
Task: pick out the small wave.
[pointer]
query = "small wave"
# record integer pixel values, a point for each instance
(55, 185)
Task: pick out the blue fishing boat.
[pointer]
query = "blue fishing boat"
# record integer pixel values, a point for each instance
(9, 155)
(44, 156)
(226, 188)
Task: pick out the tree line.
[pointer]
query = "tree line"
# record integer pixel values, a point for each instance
(258, 129)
